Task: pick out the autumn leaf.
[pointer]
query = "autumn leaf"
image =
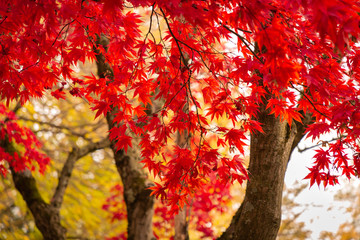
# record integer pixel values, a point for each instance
(58, 94)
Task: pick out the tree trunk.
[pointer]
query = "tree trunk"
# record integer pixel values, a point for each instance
(139, 203)
(46, 216)
(181, 225)
(259, 216)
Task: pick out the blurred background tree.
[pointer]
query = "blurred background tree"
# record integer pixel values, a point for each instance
(62, 126)
(349, 198)
(291, 228)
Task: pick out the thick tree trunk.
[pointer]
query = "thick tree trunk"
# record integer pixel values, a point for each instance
(181, 225)
(139, 203)
(259, 216)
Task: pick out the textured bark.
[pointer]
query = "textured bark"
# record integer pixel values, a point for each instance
(47, 217)
(69, 165)
(259, 216)
(181, 225)
(139, 203)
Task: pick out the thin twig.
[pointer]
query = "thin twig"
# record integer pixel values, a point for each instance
(243, 40)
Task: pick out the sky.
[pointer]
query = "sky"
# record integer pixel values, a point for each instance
(323, 212)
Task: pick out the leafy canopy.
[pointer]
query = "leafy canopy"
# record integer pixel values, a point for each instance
(295, 57)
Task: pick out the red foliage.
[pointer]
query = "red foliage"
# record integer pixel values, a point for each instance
(213, 197)
(298, 55)
(26, 154)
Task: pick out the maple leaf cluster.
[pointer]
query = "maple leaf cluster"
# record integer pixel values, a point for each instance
(213, 197)
(297, 58)
(24, 150)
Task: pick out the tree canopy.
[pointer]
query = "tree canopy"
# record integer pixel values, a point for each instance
(169, 71)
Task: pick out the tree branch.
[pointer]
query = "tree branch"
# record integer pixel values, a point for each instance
(317, 145)
(60, 127)
(47, 218)
(246, 44)
(301, 128)
(68, 167)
